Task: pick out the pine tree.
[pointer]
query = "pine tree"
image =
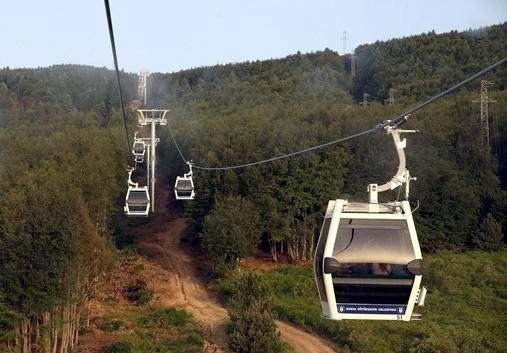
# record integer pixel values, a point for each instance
(254, 329)
(489, 236)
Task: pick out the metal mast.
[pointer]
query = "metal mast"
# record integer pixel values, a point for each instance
(364, 103)
(344, 39)
(352, 55)
(142, 86)
(152, 117)
(484, 100)
(390, 99)
(353, 64)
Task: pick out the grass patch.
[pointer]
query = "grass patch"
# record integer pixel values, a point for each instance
(196, 338)
(466, 308)
(151, 342)
(155, 330)
(166, 318)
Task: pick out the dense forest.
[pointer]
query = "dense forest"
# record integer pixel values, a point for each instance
(232, 114)
(63, 161)
(62, 171)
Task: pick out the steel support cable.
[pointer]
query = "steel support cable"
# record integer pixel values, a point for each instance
(419, 106)
(398, 120)
(276, 158)
(176, 144)
(115, 58)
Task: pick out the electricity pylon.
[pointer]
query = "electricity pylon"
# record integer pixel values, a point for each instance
(353, 64)
(344, 39)
(352, 55)
(484, 100)
(364, 103)
(390, 99)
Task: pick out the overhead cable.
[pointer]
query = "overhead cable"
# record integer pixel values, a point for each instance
(115, 58)
(396, 121)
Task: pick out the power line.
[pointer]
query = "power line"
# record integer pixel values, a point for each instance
(398, 120)
(115, 58)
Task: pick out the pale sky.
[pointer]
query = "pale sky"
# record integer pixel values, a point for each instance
(167, 36)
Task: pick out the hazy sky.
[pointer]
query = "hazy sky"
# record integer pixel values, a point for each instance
(171, 35)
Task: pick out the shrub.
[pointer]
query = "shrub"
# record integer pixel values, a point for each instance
(196, 338)
(119, 347)
(138, 292)
(112, 325)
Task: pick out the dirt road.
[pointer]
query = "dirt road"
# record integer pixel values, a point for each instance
(183, 287)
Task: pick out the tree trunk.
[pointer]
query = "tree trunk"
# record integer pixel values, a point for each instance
(303, 250)
(55, 331)
(312, 244)
(272, 249)
(46, 332)
(24, 334)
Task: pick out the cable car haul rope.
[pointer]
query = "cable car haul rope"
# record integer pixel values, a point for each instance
(368, 262)
(117, 71)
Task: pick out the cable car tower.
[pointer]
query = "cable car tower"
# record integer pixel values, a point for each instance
(142, 87)
(151, 117)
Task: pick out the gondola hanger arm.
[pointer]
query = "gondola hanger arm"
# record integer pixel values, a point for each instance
(402, 175)
(129, 181)
(190, 173)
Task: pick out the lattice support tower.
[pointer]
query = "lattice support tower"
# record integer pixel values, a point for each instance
(364, 103)
(353, 64)
(344, 40)
(484, 101)
(390, 99)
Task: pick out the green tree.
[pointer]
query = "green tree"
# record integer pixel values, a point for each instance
(231, 231)
(489, 236)
(253, 325)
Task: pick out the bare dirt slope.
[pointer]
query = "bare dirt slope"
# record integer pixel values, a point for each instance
(182, 285)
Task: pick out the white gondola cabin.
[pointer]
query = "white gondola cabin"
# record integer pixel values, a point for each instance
(138, 150)
(137, 200)
(184, 186)
(368, 263)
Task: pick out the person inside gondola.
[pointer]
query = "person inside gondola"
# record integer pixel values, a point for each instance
(380, 269)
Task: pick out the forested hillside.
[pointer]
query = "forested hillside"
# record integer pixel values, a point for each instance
(419, 66)
(63, 160)
(232, 114)
(62, 165)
